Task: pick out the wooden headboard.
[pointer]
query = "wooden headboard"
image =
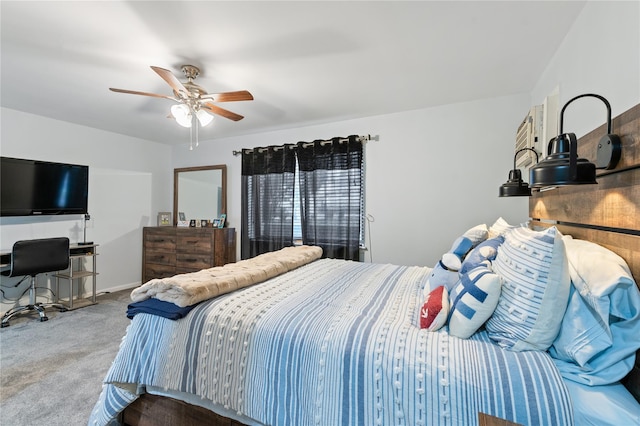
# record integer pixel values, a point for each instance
(607, 213)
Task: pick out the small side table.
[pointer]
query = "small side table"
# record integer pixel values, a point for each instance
(77, 271)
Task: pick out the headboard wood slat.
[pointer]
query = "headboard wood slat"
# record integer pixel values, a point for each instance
(613, 203)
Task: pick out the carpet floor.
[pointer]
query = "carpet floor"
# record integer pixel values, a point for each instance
(51, 372)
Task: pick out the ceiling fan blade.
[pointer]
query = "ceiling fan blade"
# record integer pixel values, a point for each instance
(133, 92)
(220, 111)
(171, 79)
(240, 95)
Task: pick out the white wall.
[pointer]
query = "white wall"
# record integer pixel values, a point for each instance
(433, 174)
(129, 182)
(601, 54)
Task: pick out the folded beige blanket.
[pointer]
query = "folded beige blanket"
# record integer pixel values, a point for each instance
(188, 289)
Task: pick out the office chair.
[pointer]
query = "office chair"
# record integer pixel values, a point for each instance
(33, 257)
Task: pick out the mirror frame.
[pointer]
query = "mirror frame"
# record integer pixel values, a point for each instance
(176, 173)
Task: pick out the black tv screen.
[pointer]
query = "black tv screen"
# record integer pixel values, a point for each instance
(32, 187)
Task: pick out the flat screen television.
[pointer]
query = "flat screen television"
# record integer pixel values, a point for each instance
(32, 187)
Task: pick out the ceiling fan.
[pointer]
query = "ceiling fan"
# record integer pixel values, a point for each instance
(193, 101)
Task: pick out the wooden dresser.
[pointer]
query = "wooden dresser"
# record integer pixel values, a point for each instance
(167, 251)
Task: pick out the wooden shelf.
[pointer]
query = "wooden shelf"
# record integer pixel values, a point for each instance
(76, 272)
(76, 275)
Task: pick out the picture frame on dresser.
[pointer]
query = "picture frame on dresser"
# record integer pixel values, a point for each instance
(164, 219)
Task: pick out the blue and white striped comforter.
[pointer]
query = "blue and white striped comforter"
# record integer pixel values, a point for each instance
(332, 343)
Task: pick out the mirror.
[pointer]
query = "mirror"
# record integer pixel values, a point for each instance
(200, 192)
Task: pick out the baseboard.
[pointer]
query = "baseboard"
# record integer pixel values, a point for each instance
(118, 288)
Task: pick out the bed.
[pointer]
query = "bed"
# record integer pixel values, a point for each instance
(314, 341)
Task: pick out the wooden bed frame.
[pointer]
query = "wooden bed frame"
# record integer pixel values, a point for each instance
(153, 410)
(607, 214)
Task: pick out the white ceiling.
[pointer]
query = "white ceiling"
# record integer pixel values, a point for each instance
(304, 62)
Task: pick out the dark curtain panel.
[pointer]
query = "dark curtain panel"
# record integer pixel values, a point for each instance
(331, 195)
(267, 199)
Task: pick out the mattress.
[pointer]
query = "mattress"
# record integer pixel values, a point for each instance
(332, 342)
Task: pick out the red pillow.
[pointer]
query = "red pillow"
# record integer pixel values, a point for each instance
(435, 310)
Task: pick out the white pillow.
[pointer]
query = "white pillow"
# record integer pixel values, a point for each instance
(535, 290)
(499, 227)
(473, 300)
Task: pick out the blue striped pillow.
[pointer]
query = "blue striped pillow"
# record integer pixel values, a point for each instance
(535, 290)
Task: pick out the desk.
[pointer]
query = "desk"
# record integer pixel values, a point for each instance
(77, 253)
(5, 259)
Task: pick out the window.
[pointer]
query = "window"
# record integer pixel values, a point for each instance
(337, 201)
(322, 205)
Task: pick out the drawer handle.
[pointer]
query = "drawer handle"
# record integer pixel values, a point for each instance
(191, 260)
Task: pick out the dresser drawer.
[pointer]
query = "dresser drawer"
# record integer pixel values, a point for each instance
(160, 257)
(152, 271)
(189, 262)
(195, 244)
(160, 241)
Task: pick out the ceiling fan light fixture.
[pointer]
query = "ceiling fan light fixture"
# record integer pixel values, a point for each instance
(204, 117)
(182, 114)
(194, 104)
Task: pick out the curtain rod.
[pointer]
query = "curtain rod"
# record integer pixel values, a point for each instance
(360, 138)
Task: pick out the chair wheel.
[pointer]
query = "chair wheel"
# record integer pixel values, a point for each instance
(43, 319)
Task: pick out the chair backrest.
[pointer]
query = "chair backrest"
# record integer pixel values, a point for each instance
(32, 257)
